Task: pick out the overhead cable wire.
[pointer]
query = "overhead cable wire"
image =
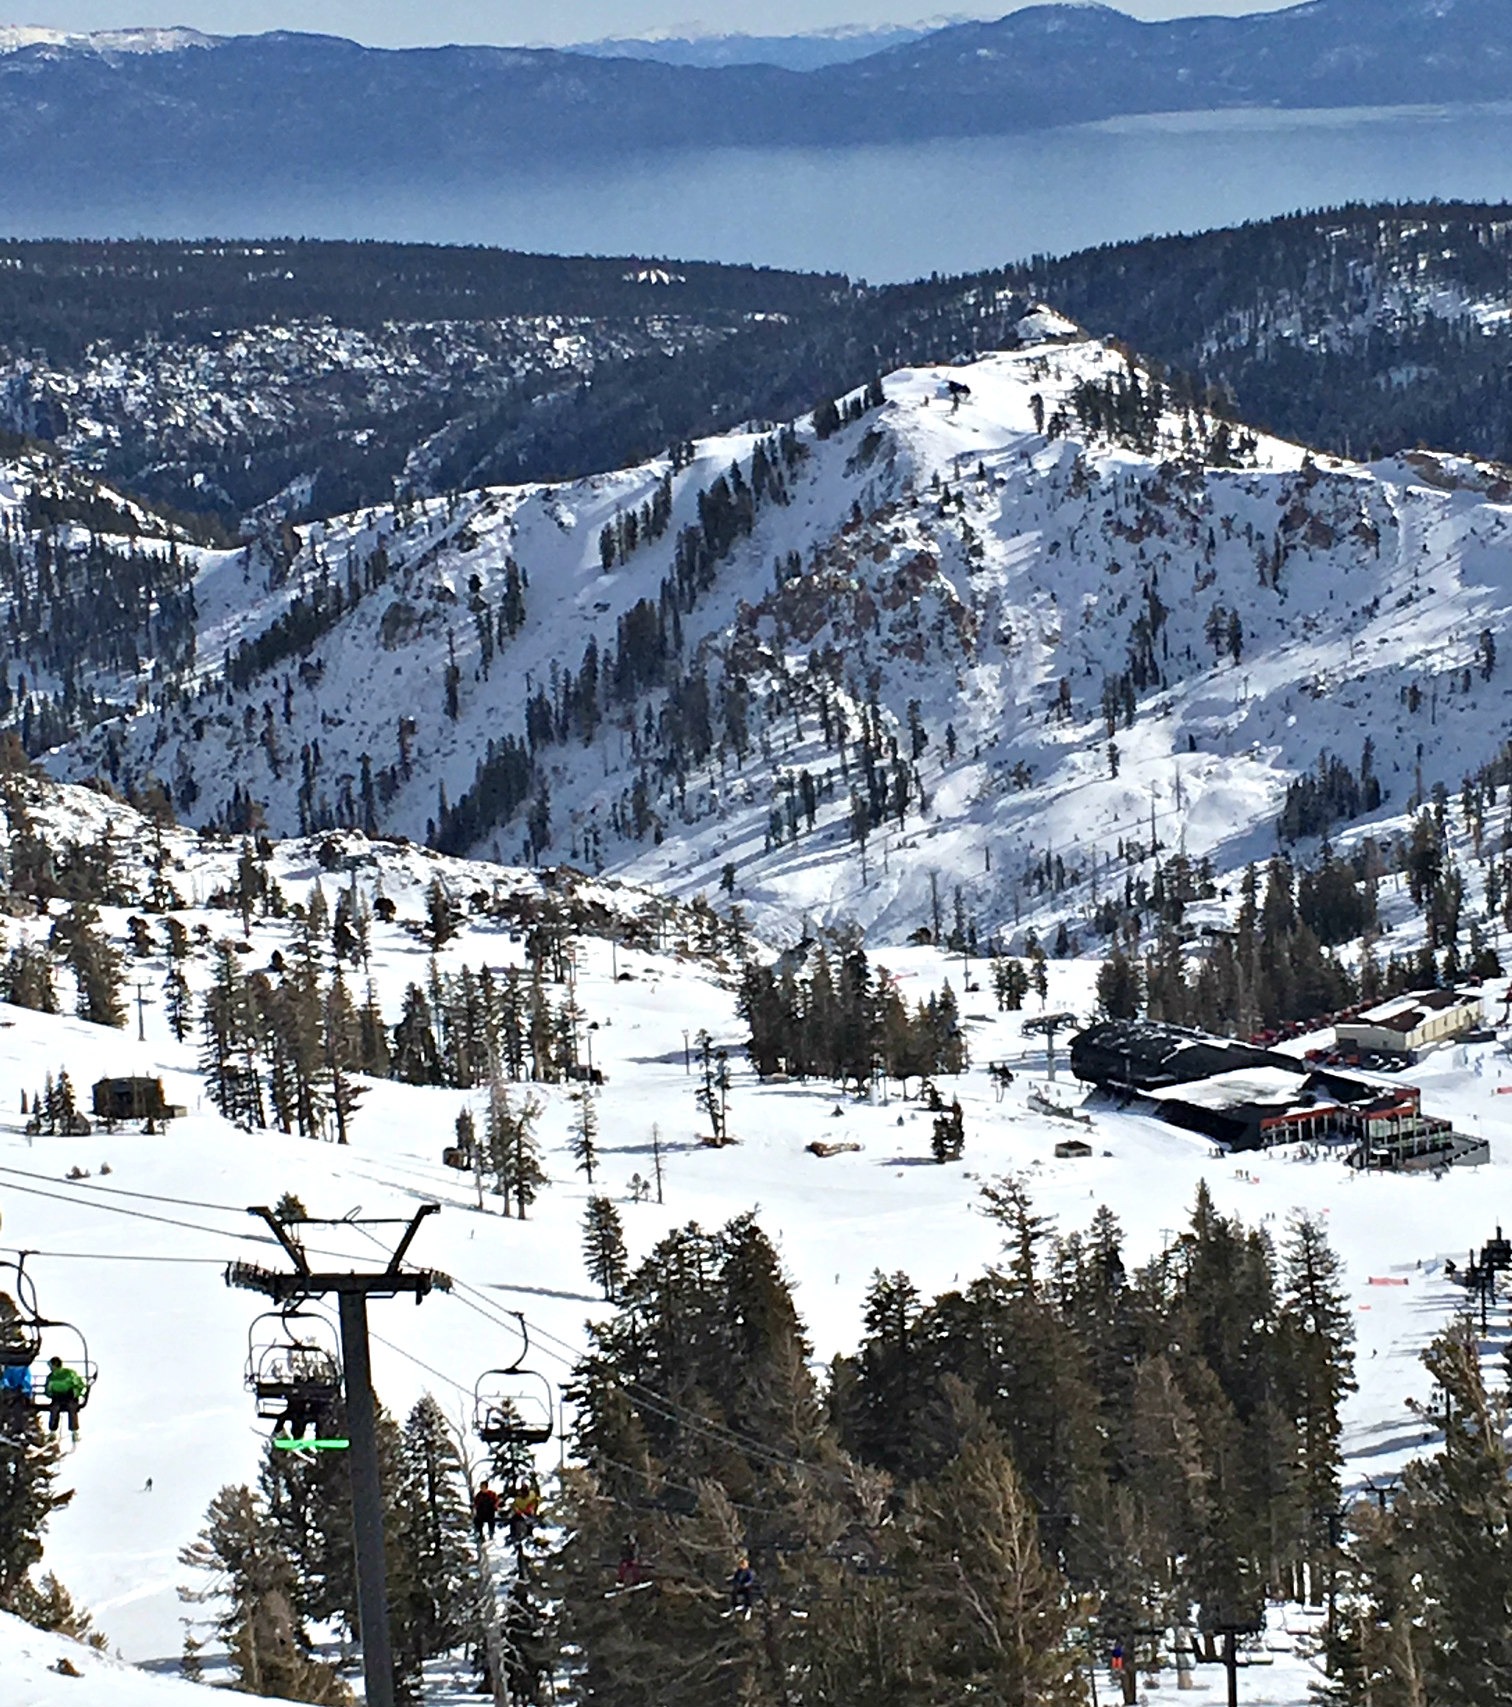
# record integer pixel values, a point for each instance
(136, 1214)
(668, 1409)
(420, 1363)
(169, 1221)
(103, 1256)
(120, 1191)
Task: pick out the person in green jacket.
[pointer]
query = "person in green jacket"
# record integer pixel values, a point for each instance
(65, 1392)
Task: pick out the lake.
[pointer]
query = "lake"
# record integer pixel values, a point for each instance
(885, 213)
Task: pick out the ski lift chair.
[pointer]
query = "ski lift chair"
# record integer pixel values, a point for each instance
(26, 1335)
(293, 1369)
(514, 1410)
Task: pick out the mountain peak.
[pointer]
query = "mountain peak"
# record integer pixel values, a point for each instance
(17, 38)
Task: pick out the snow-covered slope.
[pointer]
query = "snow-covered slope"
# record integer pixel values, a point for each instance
(943, 551)
(30, 1675)
(134, 1256)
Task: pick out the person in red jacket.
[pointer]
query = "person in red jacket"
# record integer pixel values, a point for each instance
(485, 1512)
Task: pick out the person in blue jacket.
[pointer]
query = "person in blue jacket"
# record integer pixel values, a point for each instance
(742, 1587)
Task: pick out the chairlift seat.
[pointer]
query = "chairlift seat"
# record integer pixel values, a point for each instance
(514, 1406)
(498, 1428)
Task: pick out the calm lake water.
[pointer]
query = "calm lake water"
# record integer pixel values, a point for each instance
(884, 213)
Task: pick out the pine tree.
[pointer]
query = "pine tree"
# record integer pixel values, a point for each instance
(713, 1084)
(308, 1504)
(27, 981)
(95, 962)
(1454, 1517)
(1118, 986)
(604, 1247)
(1010, 984)
(585, 1132)
(948, 1139)
(229, 1053)
(510, 1147)
(431, 1544)
(416, 1055)
(178, 1002)
(373, 1050)
(49, 1606)
(891, 1378)
(1319, 1326)
(253, 1583)
(990, 1616)
(442, 917)
(28, 1498)
(343, 1057)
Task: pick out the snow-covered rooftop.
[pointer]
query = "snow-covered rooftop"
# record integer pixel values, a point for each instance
(1267, 1086)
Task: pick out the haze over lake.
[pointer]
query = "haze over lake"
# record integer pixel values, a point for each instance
(880, 213)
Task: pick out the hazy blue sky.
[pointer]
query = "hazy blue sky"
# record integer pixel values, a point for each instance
(401, 22)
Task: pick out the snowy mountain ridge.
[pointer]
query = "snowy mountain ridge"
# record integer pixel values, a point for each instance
(16, 38)
(1062, 632)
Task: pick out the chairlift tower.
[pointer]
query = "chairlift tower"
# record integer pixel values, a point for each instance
(352, 1290)
(1046, 1026)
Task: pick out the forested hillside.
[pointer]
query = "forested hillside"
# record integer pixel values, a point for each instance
(311, 378)
(1357, 330)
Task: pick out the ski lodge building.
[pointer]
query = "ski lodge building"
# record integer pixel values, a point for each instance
(1249, 1098)
(1409, 1023)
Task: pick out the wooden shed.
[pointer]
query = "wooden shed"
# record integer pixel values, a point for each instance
(132, 1099)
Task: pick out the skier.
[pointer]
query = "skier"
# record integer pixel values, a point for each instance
(485, 1512)
(523, 1512)
(66, 1391)
(629, 1572)
(743, 1587)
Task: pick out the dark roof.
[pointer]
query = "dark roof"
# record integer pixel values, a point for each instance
(1144, 1054)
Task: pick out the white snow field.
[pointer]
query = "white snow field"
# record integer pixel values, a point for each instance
(135, 1257)
(29, 1675)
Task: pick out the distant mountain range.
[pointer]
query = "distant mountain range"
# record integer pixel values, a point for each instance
(806, 52)
(96, 111)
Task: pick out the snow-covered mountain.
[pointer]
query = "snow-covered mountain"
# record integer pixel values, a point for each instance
(15, 38)
(1025, 610)
(805, 52)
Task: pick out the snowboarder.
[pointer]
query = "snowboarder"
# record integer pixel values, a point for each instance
(629, 1572)
(485, 1512)
(523, 1512)
(66, 1391)
(743, 1587)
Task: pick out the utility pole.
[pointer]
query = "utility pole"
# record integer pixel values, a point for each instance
(352, 1291)
(141, 1013)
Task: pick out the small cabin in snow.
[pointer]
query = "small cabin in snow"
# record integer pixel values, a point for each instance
(132, 1099)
